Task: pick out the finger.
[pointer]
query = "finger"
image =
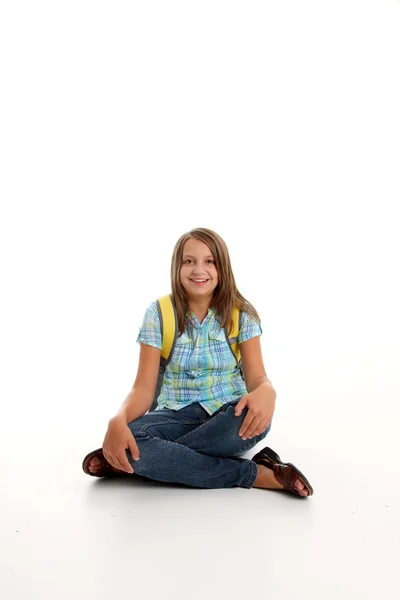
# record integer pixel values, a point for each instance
(240, 406)
(113, 461)
(133, 448)
(246, 425)
(253, 428)
(124, 464)
(261, 428)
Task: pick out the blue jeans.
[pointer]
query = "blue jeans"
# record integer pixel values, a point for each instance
(190, 447)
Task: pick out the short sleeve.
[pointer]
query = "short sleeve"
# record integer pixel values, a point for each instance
(150, 331)
(249, 328)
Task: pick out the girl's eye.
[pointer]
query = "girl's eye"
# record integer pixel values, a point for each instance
(188, 260)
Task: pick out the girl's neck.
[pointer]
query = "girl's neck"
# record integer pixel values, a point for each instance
(199, 308)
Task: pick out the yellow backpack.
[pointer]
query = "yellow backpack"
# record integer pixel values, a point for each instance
(169, 333)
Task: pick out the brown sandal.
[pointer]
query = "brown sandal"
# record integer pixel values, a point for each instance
(285, 473)
(105, 469)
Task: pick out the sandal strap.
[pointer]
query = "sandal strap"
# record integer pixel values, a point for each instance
(287, 477)
(260, 461)
(284, 474)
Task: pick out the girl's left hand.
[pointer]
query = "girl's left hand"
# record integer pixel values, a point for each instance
(261, 405)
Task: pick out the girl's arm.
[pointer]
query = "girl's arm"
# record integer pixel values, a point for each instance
(260, 399)
(140, 398)
(253, 365)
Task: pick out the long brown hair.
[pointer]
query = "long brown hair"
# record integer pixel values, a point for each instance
(226, 295)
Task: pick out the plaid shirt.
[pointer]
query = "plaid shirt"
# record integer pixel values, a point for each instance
(202, 367)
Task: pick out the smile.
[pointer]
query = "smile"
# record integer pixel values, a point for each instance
(199, 281)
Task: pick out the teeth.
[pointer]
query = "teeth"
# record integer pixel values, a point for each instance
(199, 280)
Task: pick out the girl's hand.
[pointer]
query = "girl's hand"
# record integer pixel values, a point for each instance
(261, 407)
(117, 439)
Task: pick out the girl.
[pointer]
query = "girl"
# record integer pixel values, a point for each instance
(207, 414)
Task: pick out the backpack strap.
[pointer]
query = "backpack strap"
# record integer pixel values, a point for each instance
(169, 331)
(168, 320)
(232, 339)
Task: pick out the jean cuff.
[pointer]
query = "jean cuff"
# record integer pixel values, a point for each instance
(253, 475)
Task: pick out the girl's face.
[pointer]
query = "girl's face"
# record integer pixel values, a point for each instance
(198, 273)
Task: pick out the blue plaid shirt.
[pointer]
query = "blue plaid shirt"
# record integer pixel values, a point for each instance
(202, 367)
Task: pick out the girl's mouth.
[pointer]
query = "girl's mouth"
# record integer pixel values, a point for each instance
(199, 282)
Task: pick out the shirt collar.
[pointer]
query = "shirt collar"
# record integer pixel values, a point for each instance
(194, 320)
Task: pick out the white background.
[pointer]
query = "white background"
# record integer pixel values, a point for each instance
(124, 125)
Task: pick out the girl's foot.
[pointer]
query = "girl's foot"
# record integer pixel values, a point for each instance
(98, 463)
(266, 479)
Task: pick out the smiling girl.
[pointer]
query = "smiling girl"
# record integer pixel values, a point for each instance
(209, 410)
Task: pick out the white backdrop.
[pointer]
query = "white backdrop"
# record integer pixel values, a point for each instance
(126, 124)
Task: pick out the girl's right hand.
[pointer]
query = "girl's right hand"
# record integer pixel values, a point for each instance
(117, 439)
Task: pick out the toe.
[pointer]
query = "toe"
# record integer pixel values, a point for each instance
(299, 485)
(94, 464)
(301, 488)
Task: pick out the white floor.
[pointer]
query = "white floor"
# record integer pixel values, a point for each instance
(67, 535)
(126, 125)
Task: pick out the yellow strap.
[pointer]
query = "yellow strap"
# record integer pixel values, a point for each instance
(235, 332)
(168, 318)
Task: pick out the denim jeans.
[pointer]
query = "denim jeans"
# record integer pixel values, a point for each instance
(190, 447)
